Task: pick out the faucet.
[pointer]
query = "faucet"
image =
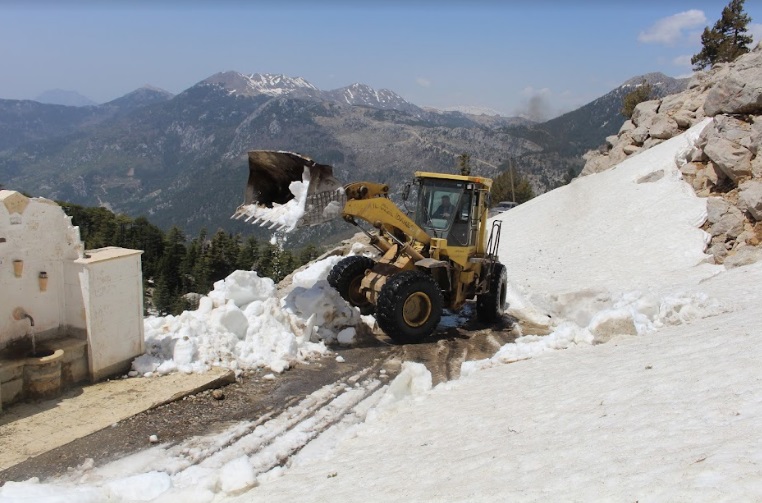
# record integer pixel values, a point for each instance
(20, 314)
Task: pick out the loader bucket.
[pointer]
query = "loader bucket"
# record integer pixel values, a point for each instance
(286, 190)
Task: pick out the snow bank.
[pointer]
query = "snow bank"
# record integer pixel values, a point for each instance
(604, 256)
(635, 226)
(243, 324)
(631, 313)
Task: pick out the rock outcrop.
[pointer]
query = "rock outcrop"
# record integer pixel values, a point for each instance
(726, 164)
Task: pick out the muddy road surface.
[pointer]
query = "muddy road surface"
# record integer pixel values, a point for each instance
(321, 394)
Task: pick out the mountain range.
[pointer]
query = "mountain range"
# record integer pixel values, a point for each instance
(180, 159)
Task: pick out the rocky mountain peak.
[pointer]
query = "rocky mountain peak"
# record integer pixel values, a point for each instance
(297, 87)
(141, 96)
(260, 83)
(364, 95)
(663, 84)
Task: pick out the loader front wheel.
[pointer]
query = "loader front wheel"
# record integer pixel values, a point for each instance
(409, 306)
(490, 306)
(346, 277)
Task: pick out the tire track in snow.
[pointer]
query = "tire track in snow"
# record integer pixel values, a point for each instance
(267, 443)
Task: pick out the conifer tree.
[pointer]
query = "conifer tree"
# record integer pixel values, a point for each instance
(169, 266)
(726, 40)
(511, 183)
(641, 93)
(249, 254)
(464, 164)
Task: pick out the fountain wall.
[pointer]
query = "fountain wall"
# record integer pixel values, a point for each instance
(87, 303)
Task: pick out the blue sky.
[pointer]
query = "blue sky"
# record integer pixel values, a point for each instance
(553, 54)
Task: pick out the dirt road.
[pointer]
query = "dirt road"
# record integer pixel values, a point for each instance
(283, 403)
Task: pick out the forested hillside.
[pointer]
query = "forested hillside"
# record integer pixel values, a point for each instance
(174, 265)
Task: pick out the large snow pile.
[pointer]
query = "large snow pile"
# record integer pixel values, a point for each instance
(601, 257)
(244, 324)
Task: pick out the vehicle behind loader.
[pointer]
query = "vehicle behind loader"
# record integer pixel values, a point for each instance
(438, 259)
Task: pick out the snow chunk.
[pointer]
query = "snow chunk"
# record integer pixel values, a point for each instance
(413, 381)
(142, 487)
(237, 476)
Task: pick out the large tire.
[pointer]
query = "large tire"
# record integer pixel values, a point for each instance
(409, 306)
(346, 277)
(490, 306)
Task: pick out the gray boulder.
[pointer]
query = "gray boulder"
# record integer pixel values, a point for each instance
(724, 218)
(750, 198)
(651, 142)
(733, 129)
(639, 134)
(731, 223)
(626, 127)
(672, 103)
(630, 149)
(684, 119)
(690, 168)
(714, 173)
(744, 255)
(740, 91)
(756, 167)
(645, 112)
(694, 102)
(756, 135)
(733, 159)
(663, 127)
(715, 208)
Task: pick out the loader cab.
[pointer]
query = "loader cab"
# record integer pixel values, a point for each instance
(448, 207)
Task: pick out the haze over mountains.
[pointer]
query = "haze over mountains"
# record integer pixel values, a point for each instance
(181, 159)
(63, 97)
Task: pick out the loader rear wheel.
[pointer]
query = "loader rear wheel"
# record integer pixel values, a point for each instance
(346, 277)
(490, 306)
(409, 306)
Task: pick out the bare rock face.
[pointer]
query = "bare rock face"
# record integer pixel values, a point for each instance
(750, 198)
(733, 159)
(725, 165)
(645, 112)
(724, 219)
(756, 135)
(664, 127)
(740, 91)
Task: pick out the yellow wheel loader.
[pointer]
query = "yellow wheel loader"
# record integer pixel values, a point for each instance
(439, 258)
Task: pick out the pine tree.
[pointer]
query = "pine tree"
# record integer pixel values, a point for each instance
(162, 297)
(222, 255)
(147, 237)
(511, 183)
(265, 265)
(726, 40)
(464, 164)
(641, 93)
(249, 254)
(169, 266)
(308, 253)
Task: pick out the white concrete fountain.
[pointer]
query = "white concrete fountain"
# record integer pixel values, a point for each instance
(66, 315)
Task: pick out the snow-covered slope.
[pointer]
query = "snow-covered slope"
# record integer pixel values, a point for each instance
(364, 95)
(297, 87)
(666, 410)
(254, 84)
